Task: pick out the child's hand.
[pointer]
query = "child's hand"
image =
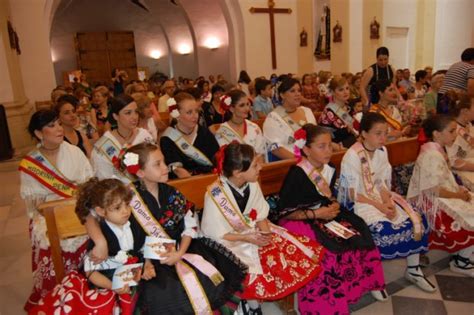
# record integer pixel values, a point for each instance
(327, 213)
(464, 194)
(99, 253)
(171, 258)
(124, 290)
(389, 210)
(258, 238)
(148, 270)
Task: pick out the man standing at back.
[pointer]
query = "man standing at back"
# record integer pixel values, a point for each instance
(460, 76)
(378, 71)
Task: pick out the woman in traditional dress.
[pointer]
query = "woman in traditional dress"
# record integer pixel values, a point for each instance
(238, 128)
(336, 115)
(387, 93)
(284, 120)
(461, 152)
(51, 172)
(123, 112)
(145, 115)
(398, 229)
(66, 111)
(447, 205)
(235, 215)
(188, 148)
(307, 206)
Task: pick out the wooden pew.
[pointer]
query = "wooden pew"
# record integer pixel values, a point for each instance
(62, 222)
(165, 117)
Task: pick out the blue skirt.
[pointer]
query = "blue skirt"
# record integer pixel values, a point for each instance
(397, 240)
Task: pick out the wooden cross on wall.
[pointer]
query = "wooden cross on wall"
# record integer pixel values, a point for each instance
(271, 10)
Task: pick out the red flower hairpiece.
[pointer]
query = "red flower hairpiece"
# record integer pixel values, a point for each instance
(226, 100)
(220, 156)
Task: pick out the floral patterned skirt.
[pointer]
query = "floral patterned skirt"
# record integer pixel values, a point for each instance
(448, 234)
(397, 240)
(44, 277)
(344, 278)
(74, 296)
(285, 268)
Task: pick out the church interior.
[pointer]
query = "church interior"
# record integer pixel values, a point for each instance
(52, 45)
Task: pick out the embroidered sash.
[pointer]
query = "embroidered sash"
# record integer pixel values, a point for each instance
(316, 178)
(109, 149)
(229, 134)
(375, 108)
(38, 167)
(236, 219)
(373, 193)
(343, 115)
(196, 294)
(188, 149)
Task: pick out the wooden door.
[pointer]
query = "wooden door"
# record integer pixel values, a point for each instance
(99, 52)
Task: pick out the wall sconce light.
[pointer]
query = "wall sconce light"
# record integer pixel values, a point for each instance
(155, 54)
(184, 49)
(212, 43)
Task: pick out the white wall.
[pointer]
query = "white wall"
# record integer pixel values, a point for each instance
(31, 23)
(257, 39)
(454, 31)
(403, 14)
(355, 35)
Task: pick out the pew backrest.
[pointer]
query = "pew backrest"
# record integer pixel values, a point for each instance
(62, 222)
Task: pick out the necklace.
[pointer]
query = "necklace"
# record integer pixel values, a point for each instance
(124, 138)
(371, 151)
(288, 112)
(51, 150)
(237, 124)
(185, 133)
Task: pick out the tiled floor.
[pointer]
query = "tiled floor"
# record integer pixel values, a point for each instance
(455, 295)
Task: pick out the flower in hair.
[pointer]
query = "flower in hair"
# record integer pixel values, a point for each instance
(300, 138)
(172, 107)
(226, 100)
(131, 162)
(220, 156)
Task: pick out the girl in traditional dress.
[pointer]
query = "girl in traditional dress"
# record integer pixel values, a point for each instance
(200, 276)
(235, 214)
(337, 115)
(461, 152)
(447, 205)
(106, 150)
(351, 264)
(188, 148)
(398, 230)
(238, 128)
(388, 95)
(284, 120)
(92, 293)
(51, 172)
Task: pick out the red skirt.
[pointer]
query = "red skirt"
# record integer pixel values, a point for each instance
(285, 269)
(74, 296)
(448, 235)
(44, 277)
